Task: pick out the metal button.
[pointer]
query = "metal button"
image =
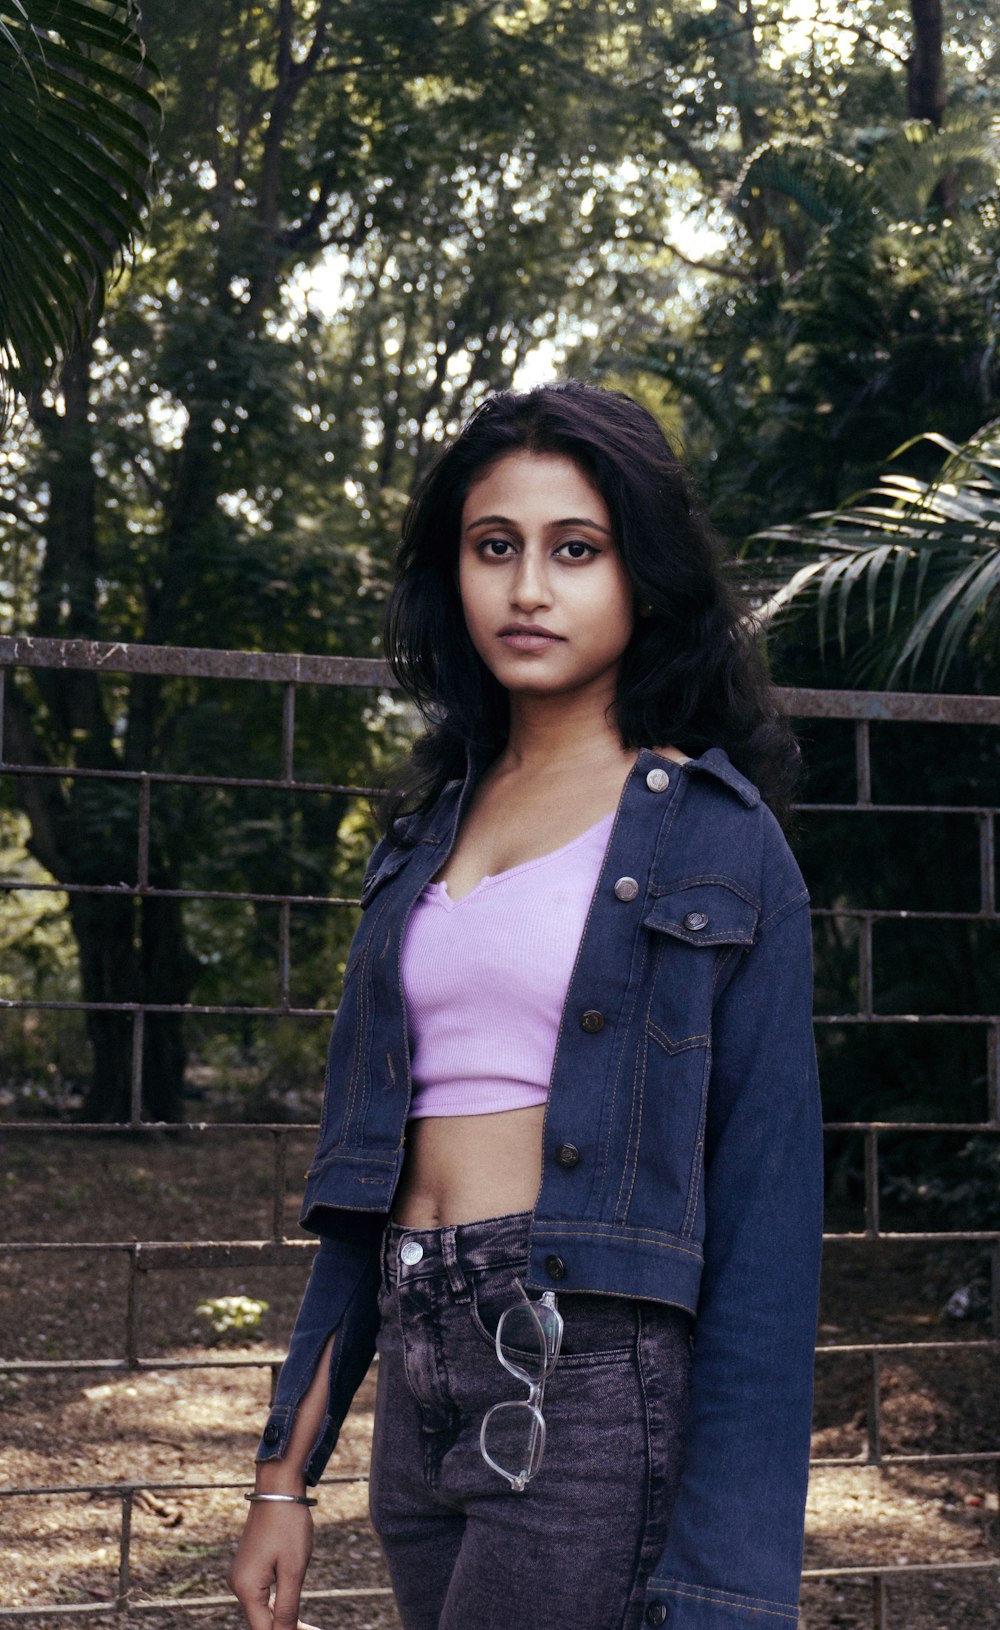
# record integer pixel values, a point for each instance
(657, 780)
(695, 920)
(656, 1613)
(592, 1021)
(410, 1252)
(555, 1267)
(626, 888)
(568, 1155)
(272, 1433)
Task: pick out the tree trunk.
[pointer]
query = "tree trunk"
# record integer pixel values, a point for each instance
(926, 95)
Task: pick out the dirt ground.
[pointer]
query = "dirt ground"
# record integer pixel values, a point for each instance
(169, 1426)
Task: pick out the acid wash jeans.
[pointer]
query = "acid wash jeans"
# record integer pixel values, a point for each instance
(577, 1545)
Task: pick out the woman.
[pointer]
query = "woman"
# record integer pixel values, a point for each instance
(571, 1083)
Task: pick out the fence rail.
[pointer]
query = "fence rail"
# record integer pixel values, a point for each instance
(861, 708)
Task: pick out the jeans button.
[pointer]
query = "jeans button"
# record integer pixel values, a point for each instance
(555, 1267)
(272, 1433)
(592, 1021)
(568, 1155)
(410, 1252)
(656, 1613)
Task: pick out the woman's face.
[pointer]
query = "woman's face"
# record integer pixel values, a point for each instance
(547, 602)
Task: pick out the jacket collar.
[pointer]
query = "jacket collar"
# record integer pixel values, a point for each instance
(716, 762)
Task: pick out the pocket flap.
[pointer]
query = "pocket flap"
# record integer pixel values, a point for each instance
(703, 913)
(390, 864)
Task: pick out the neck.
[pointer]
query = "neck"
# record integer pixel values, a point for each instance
(554, 734)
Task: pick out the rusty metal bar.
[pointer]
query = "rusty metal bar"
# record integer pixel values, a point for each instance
(132, 1311)
(138, 1044)
(806, 702)
(192, 662)
(284, 956)
(124, 1551)
(863, 761)
(874, 1413)
(142, 866)
(880, 1620)
(267, 783)
(987, 866)
(233, 896)
(871, 1184)
(279, 1185)
(866, 1001)
(288, 732)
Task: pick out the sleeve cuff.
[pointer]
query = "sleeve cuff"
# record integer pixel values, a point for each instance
(678, 1604)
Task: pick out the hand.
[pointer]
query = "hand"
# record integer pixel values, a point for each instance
(274, 1550)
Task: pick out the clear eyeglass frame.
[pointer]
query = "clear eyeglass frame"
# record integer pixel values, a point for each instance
(512, 1436)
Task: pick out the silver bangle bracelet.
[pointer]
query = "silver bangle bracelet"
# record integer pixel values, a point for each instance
(282, 1499)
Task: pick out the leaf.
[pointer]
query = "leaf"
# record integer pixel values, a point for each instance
(75, 155)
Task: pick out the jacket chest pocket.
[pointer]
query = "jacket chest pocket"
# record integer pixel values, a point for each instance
(693, 923)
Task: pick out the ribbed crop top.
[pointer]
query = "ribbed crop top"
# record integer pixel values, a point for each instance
(485, 978)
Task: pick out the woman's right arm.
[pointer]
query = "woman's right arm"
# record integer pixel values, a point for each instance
(331, 1347)
(276, 1543)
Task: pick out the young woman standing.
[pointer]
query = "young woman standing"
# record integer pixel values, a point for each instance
(571, 1138)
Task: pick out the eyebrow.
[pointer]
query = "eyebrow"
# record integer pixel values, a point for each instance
(568, 520)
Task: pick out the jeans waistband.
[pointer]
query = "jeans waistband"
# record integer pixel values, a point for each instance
(456, 1250)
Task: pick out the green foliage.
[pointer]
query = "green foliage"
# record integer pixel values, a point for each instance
(910, 572)
(75, 154)
(234, 1319)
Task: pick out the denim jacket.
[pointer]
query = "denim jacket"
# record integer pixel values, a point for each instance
(685, 1079)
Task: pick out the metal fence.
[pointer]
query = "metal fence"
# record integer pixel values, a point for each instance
(290, 672)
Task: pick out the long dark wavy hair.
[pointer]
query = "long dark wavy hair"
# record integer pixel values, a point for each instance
(693, 674)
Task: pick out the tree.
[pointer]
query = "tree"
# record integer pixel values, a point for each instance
(224, 462)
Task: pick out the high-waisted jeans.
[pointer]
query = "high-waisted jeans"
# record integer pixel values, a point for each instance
(577, 1545)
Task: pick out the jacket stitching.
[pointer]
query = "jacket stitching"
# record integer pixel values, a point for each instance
(638, 1076)
(680, 885)
(667, 1042)
(726, 1598)
(627, 1023)
(794, 900)
(649, 1235)
(697, 1157)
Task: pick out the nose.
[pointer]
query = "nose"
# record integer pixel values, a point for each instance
(530, 587)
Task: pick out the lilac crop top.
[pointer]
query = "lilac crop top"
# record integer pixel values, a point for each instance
(485, 978)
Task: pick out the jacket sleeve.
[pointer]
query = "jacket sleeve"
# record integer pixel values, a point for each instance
(342, 1296)
(734, 1553)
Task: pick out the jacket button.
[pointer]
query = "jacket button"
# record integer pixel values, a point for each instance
(695, 920)
(658, 781)
(592, 1021)
(555, 1267)
(272, 1433)
(656, 1613)
(626, 888)
(568, 1155)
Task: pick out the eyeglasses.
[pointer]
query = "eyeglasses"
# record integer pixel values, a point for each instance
(512, 1436)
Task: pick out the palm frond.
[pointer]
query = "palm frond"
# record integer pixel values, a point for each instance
(940, 537)
(77, 119)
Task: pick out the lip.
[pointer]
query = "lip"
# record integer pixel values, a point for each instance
(534, 629)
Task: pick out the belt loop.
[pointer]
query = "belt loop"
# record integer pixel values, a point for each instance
(456, 1278)
(383, 1258)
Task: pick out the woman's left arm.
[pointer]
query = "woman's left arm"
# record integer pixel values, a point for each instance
(734, 1554)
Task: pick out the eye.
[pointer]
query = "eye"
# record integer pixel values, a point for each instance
(494, 548)
(578, 549)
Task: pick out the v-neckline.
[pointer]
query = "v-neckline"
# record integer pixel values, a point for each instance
(439, 891)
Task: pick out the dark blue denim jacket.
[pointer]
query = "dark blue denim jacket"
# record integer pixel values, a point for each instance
(685, 1076)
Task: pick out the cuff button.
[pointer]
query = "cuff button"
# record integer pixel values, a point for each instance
(656, 1613)
(272, 1433)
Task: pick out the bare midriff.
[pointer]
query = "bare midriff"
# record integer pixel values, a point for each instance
(462, 1168)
